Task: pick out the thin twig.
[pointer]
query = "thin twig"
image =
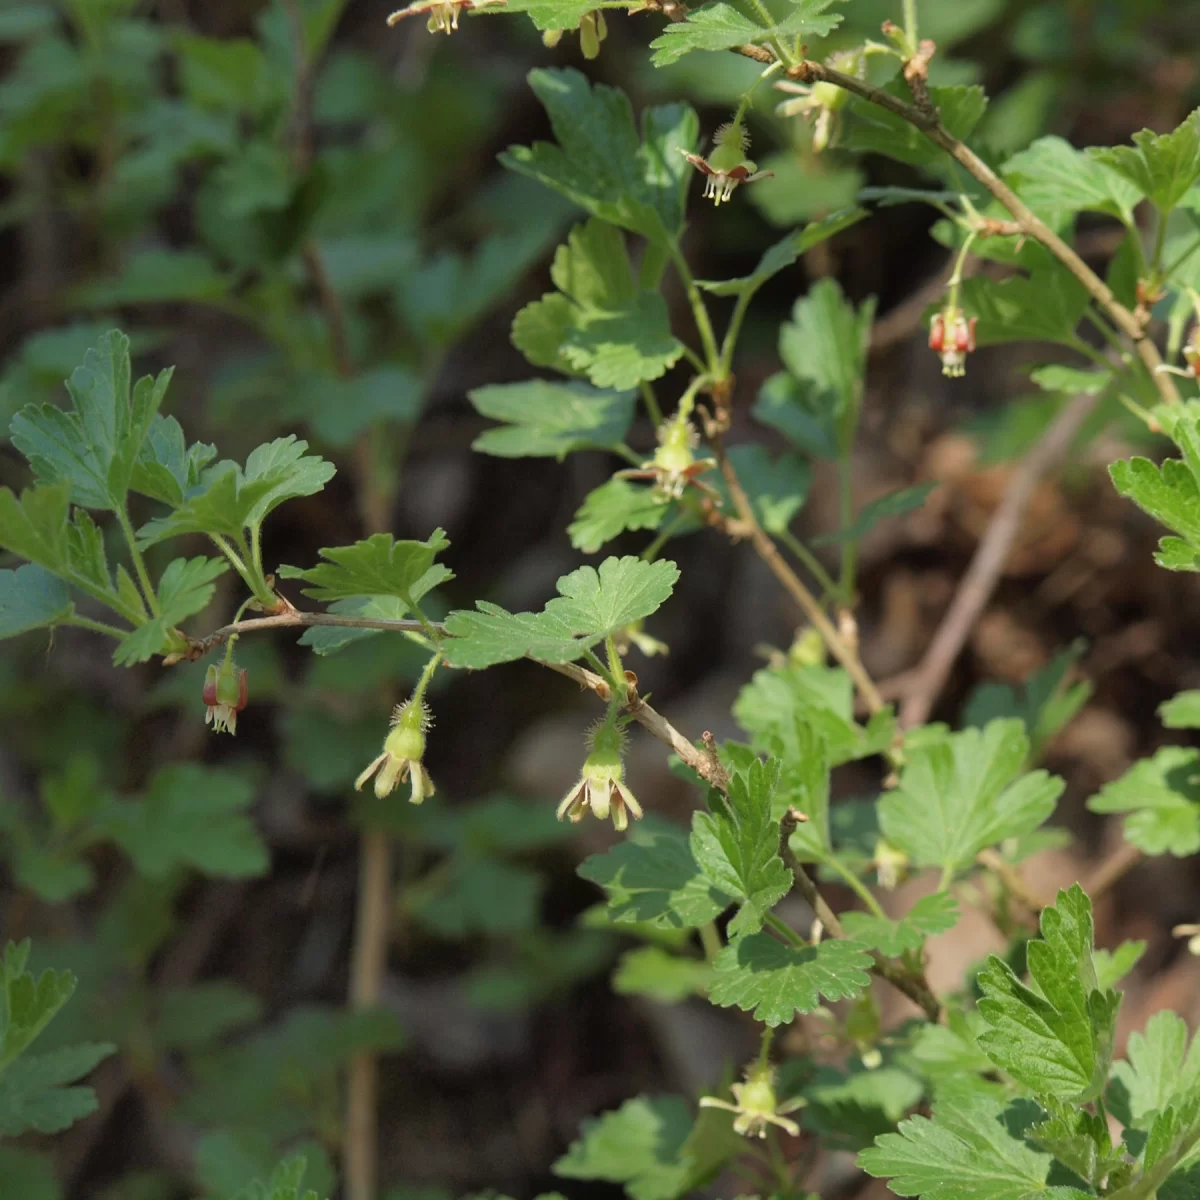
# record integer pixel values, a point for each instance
(911, 982)
(978, 584)
(845, 653)
(1028, 222)
(1114, 868)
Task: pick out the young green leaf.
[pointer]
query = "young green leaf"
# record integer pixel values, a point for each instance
(963, 792)
(230, 498)
(1043, 703)
(27, 1004)
(610, 510)
(1181, 711)
(1163, 166)
(94, 445)
(377, 566)
(1057, 1040)
(32, 598)
(185, 588)
(737, 846)
(1160, 1070)
(638, 1145)
(601, 164)
(1079, 1139)
(928, 916)
(1113, 965)
(167, 468)
(778, 699)
(659, 975)
(653, 876)
(543, 419)
(894, 504)
(284, 1184)
(34, 1095)
(599, 323)
(720, 26)
(972, 1149)
(190, 816)
(1162, 794)
(592, 605)
(784, 253)
(778, 981)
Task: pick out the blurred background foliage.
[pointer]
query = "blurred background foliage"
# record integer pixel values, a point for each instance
(302, 209)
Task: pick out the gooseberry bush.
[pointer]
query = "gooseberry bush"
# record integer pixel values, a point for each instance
(133, 533)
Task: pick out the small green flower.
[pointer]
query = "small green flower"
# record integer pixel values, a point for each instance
(674, 464)
(727, 164)
(225, 694)
(756, 1106)
(820, 103)
(601, 786)
(403, 750)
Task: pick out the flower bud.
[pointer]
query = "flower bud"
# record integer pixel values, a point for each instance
(952, 337)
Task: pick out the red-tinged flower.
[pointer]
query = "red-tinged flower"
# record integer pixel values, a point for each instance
(727, 164)
(443, 14)
(601, 786)
(403, 750)
(225, 695)
(952, 336)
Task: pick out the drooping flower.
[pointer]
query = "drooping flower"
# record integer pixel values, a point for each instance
(952, 336)
(756, 1105)
(403, 750)
(601, 786)
(674, 464)
(443, 14)
(727, 164)
(592, 31)
(821, 102)
(225, 694)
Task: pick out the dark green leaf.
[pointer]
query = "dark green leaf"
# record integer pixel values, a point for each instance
(31, 598)
(33, 1095)
(778, 981)
(876, 130)
(611, 509)
(27, 1003)
(185, 588)
(894, 504)
(1163, 166)
(720, 26)
(1057, 181)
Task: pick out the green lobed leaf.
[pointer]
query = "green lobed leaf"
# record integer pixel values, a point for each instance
(1044, 703)
(1182, 711)
(1163, 166)
(1162, 796)
(230, 499)
(1057, 1040)
(657, 974)
(849, 1111)
(601, 164)
(1044, 306)
(1159, 1069)
(960, 793)
(1170, 494)
(599, 323)
(778, 981)
(592, 604)
(479, 895)
(167, 468)
(34, 1091)
(543, 419)
(928, 916)
(95, 444)
(785, 252)
(1056, 180)
(638, 1145)
(377, 566)
(285, 1184)
(653, 877)
(190, 816)
(27, 1003)
(612, 509)
(720, 26)
(972, 1149)
(185, 588)
(32, 598)
(1079, 1139)
(776, 488)
(1113, 965)
(894, 504)
(737, 846)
